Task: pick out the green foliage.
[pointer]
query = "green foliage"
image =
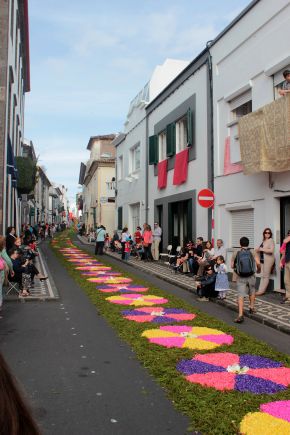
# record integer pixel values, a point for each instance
(26, 174)
(210, 411)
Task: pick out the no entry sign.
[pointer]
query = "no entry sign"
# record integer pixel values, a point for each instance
(205, 198)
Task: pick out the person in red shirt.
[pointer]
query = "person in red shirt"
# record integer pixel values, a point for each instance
(138, 235)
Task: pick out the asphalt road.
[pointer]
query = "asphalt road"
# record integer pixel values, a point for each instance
(80, 378)
(273, 337)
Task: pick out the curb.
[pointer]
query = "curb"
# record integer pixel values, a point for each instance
(257, 317)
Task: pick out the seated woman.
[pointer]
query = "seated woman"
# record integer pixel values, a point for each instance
(207, 257)
(206, 285)
(27, 254)
(21, 272)
(181, 261)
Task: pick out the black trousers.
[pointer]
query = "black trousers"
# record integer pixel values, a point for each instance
(123, 250)
(99, 248)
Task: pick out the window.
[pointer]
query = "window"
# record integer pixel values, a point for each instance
(242, 226)
(239, 107)
(120, 168)
(181, 134)
(135, 158)
(162, 146)
(120, 218)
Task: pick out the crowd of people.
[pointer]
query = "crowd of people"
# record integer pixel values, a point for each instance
(18, 254)
(203, 262)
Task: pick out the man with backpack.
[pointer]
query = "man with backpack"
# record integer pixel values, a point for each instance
(245, 266)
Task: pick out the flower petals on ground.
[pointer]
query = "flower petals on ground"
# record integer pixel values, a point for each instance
(136, 299)
(158, 315)
(274, 419)
(218, 371)
(187, 336)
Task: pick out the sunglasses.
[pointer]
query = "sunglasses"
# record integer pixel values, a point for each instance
(267, 232)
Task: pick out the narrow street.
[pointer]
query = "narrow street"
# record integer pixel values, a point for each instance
(81, 379)
(79, 376)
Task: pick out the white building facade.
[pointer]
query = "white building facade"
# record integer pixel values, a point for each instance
(131, 150)
(248, 59)
(179, 149)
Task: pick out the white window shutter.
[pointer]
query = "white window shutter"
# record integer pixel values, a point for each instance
(241, 99)
(242, 226)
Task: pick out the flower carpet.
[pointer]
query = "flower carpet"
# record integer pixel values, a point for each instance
(274, 418)
(227, 387)
(244, 373)
(136, 299)
(187, 336)
(158, 315)
(122, 288)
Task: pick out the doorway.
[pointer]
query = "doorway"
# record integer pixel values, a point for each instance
(180, 222)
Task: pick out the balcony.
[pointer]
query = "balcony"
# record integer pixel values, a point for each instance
(264, 137)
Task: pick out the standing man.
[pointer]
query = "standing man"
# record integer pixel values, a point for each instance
(100, 240)
(285, 263)
(245, 265)
(157, 232)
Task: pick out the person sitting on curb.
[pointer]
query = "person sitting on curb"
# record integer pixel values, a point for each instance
(206, 285)
(245, 265)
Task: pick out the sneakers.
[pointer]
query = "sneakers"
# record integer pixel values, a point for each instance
(239, 319)
(203, 299)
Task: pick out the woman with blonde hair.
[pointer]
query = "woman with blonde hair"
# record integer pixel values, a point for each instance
(266, 253)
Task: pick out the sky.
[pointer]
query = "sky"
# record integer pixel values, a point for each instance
(88, 60)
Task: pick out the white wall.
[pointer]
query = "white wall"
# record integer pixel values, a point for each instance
(197, 169)
(248, 55)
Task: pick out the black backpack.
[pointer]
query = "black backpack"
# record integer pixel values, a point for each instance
(245, 265)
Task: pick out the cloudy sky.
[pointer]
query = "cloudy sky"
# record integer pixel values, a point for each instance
(90, 58)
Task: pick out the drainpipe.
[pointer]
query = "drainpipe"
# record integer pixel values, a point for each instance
(210, 138)
(147, 170)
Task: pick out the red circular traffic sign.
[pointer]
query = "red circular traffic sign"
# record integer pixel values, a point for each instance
(205, 198)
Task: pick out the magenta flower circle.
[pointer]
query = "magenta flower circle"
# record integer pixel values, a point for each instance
(229, 371)
(157, 315)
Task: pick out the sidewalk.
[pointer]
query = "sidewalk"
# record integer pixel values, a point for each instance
(42, 290)
(269, 310)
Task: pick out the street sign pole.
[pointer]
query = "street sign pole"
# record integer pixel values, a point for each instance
(205, 199)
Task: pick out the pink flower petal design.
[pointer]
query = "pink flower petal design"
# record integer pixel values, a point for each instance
(220, 381)
(177, 329)
(222, 359)
(280, 375)
(280, 409)
(140, 318)
(168, 341)
(219, 339)
(182, 316)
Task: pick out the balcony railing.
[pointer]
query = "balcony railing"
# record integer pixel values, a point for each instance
(265, 138)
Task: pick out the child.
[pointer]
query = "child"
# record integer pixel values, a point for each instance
(222, 282)
(127, 248)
